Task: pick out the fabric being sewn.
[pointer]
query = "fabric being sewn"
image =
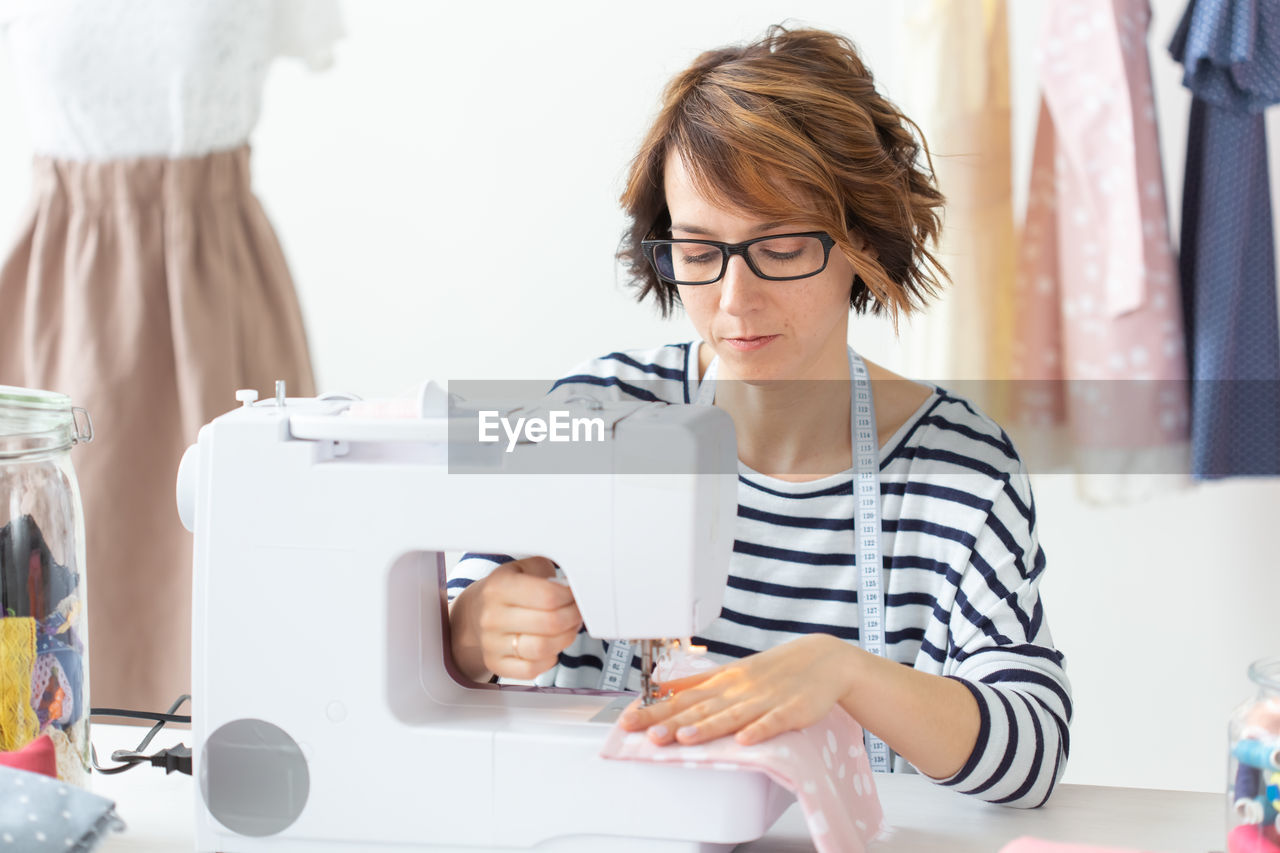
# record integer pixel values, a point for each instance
(824, 765)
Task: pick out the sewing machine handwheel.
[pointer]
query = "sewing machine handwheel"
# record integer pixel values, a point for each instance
(253, 777)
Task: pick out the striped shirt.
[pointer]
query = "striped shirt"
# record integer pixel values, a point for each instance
(962, 570)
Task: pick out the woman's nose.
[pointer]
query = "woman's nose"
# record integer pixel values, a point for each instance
(740, 287)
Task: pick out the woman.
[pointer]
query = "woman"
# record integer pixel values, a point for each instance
(776, 191)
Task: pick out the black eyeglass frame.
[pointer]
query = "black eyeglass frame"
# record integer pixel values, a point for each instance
(728, 250)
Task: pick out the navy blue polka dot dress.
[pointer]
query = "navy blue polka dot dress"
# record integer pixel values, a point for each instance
(1231, 53)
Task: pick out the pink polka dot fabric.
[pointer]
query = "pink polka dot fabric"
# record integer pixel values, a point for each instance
(825, 765)
(1097, 293)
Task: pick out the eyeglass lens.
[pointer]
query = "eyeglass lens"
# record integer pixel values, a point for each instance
(698, 263)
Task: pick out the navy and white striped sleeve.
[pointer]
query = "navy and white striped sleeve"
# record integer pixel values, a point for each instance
(471, 568)
(648, 376)
(1002, 651)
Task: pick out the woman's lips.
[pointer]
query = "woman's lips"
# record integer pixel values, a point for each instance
(749, 344)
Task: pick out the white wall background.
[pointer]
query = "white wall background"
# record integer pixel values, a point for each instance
(446, 195)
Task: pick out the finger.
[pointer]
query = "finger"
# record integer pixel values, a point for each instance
(675, 685)
(668, 730)
(508, 619)
(539, 567)
(521, 646)
(538, 648)
(783, 718)
(634, 717)
(519, 668)
(526, 590)
(638, 717)
(726, 721)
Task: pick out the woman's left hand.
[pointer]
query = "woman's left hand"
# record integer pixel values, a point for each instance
(784, 688)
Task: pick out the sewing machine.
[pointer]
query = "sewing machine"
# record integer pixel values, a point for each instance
(326, 713)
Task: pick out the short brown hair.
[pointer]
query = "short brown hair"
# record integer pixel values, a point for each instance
(795, 113)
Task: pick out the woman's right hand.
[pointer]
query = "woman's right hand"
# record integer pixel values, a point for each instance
(514, 622)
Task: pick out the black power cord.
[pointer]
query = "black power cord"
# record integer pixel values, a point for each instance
(174, 758)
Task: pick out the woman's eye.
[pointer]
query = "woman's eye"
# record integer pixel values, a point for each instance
(701, 258)
(783, 256)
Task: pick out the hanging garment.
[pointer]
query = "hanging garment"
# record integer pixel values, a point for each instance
(1098, 343)
(957, 90)
(146, 282)
(1231, 51)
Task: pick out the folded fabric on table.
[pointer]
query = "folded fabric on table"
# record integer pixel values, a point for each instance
(39, 814)
(1027, 844)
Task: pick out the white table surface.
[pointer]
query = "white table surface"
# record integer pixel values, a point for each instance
(925, 818)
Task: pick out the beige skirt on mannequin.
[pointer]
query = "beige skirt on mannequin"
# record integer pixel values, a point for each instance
(149, 290)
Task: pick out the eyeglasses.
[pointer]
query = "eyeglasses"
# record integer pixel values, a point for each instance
(777, 257)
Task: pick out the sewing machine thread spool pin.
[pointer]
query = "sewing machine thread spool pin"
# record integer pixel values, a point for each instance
(280, 393)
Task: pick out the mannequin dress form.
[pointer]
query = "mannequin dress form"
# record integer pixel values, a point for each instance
(145, 280)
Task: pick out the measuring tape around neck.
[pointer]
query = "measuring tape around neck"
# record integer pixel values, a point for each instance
(866, 497)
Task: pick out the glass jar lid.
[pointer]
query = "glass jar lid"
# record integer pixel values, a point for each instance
(1266, 673)
(38, 422)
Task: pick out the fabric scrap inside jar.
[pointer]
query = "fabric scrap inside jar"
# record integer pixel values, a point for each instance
(18, 722)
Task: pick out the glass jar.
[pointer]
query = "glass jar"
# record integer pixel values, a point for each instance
(44, 662)
(1253, 778)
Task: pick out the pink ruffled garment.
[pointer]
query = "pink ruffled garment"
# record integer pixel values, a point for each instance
(824, 765)
(1097, 294)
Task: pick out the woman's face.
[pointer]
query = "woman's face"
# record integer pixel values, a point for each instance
(760, 329)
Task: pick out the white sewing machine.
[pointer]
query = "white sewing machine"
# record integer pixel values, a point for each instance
(325, 715)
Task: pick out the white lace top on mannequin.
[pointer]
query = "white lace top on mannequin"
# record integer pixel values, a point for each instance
(108, 79)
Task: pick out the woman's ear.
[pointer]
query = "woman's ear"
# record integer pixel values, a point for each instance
(862, 245)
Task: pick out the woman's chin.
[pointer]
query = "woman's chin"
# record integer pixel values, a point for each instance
(752, 370)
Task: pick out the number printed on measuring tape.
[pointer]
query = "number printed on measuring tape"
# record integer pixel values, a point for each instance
(866, 449)
(618, 666)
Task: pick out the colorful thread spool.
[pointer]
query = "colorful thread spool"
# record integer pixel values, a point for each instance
(1259, 754)
(1249, 838)
(1249, 810)
(1255, 810)
(1248, 782)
